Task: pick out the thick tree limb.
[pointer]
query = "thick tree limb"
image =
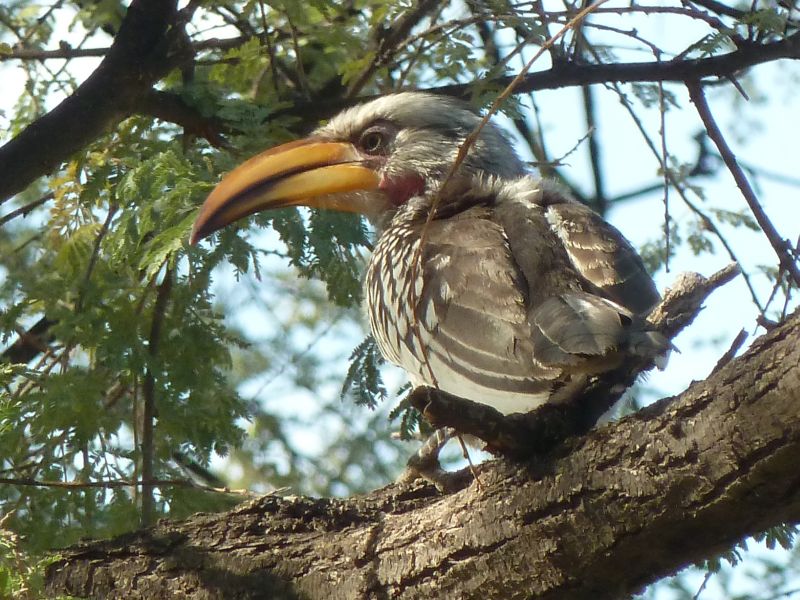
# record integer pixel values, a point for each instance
(632, 502)
(144, 50)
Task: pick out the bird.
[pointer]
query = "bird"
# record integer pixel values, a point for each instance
(485, 281)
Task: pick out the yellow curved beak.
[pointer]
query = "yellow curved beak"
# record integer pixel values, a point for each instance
(302, 173)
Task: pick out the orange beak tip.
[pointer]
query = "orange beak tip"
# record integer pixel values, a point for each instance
(196, 235)
(306, 172)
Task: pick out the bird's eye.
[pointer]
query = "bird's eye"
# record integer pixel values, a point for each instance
(374, 140)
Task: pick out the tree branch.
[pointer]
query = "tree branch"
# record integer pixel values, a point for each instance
(111, 484)
(634, 501)
(174, 109)
(567, 74)
(148, 450)
(386, 41)
(782, 247)
(29, 343)
(64, 53)
(68, 53)
(26, 209)
(571, 73)
(144, 50)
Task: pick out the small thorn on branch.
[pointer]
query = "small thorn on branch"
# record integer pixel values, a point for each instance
(731, 352)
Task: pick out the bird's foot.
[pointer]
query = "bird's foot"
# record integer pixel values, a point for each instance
(424, 464)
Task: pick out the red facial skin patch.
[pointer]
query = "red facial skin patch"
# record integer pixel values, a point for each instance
(402, 187)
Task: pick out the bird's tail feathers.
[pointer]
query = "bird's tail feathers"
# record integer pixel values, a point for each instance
(648, 343)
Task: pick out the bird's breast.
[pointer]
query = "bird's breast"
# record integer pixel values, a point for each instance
(453, 313)
(392, 290)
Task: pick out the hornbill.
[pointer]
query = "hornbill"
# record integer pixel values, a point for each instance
(508, 293)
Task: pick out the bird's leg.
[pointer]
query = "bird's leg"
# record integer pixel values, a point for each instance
(425, 461)
(424, 464)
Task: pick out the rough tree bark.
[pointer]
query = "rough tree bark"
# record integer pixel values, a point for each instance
(631, 502)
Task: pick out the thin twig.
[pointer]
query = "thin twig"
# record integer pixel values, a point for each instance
(662, 110)
(600, 200)
(172, 108)
(118, 483)
(302, 79)
(702, 585)
(267, 42)
(387, 44)
(706, 221)
(463, 150)
(149, 394)
(112, 209)
(560, 160)
(24, 210)
(731, 352)
(780, 245)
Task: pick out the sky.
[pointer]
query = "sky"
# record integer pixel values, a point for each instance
(763, 133)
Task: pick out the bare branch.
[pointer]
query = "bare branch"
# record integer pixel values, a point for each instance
(706, 221)
(782, 247)
(568, 74)
(149, 394)
(388, 41)
(68, 53)
(65, 53)
(23, 211)
(118, 483)
(173, 109)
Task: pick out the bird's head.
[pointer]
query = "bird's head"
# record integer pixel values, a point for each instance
(370, 159)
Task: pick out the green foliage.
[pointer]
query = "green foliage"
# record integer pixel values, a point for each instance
(651, 95)
(326, 246)
(782, 536)
(698, 238)
(20, 573)
(412, 424)
(117, 231)
(709, 45)
(363, 382)
(95, 259)
(738, 218)
(767, 21)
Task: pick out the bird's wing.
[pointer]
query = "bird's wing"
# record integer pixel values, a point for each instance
(602, 256)
(586, 284)
(473, 306)
(583, 333)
